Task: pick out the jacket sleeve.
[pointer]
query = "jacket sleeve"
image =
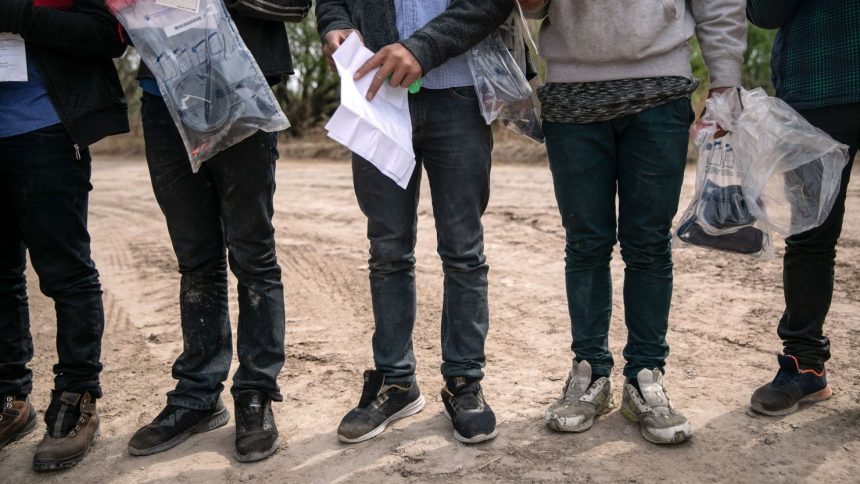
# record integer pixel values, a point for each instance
(771, 14)
(332, 15)
(721, 27)
(272, 10)
(456, 30)
(88, 30)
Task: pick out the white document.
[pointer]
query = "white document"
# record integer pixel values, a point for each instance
(13, 58)
(379, 131)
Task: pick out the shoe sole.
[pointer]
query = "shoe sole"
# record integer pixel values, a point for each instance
(31, 425)
(819, 396)
(679, 437)
(213, 422)
(555, 423)
(47, 466)
(257, 456)
(407, 411)
(472, 440)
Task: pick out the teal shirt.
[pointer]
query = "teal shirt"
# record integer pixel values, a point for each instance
(816, 56)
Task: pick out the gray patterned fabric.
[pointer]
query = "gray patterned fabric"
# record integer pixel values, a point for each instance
(591, 102)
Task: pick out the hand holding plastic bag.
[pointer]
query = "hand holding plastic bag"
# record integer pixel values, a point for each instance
(498, 64)
(773, 172)
(211, 84)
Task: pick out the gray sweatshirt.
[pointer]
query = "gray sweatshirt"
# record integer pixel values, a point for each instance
(602, 40)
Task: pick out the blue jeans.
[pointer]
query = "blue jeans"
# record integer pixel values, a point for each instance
(44, 194)
(639, 158)
(454, 144)
(224, 210)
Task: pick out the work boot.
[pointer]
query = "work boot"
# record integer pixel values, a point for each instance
(379, 405)
(256, 432)
(791, 387)
(471, 416)
(17, 419)
(72, 422)
(581, 401)
(649, 405)
(173, 426)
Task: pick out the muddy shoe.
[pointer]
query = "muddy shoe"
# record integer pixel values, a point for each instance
(380, 404)
(650, 406)
(791, 387)
(473, 419)
(73, 427)
(17, 419)
(173, 426)
(581, 401)
(256, 432)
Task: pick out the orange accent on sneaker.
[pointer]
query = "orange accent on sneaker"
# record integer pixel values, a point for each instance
(799, 370)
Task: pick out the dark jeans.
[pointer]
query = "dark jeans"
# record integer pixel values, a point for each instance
(641, 159)
(454, 145)
(44, 191)
(808, 269)
(226, 208)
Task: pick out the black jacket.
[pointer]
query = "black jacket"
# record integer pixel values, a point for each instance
(73, 49)
(267, 41)
(458, 29)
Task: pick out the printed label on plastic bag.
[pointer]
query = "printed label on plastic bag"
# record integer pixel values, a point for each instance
(187, 5)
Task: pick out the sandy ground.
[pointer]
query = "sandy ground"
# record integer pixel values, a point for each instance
(722, 338)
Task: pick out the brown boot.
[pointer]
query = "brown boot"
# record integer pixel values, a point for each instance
(17, 419)
(64, 444)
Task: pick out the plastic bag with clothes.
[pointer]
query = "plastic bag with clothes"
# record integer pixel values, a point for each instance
(498, 64)
(211, 84)
(772, 172)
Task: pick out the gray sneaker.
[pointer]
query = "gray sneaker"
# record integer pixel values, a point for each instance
(580, 401)
(659, 421)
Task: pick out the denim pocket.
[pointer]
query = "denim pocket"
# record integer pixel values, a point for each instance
(466, 93)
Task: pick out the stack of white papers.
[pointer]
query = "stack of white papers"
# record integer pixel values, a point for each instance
(13, 58)
(379, 131)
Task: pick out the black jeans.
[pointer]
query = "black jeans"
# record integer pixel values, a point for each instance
(454, 145)
(225, 208)
(44, 191)
(808, 266)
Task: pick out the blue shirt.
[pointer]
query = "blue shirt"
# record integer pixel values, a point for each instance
(414, 14)
(26, 106)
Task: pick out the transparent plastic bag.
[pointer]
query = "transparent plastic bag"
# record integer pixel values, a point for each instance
(498, 64)
(772, 172)
(213, 88)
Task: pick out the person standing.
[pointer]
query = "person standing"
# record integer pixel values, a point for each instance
(70, 99)
(816, 71)
(412, 39)
(616, 113)
(222, 213)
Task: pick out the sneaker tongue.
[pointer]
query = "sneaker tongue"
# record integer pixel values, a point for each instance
(252, 410)
(581, 376)
(465, 391)
(651, 388)
(62, 414)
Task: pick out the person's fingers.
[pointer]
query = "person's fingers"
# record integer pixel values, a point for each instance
(379, 79)
(377, 60)
(399, 76)
(410, 78)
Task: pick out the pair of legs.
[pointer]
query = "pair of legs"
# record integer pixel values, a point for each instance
(223, 212)
(44, 194)
(454, 144)
(638, 159)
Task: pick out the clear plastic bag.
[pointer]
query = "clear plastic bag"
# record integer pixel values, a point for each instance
(772, 172)
(211, 84)
(498, 64)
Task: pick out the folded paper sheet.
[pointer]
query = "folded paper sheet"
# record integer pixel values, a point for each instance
(379, 131)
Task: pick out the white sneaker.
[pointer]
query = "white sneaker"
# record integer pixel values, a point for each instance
(651, 407)
(580, 401)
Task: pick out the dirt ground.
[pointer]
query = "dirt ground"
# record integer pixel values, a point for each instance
(722, 336)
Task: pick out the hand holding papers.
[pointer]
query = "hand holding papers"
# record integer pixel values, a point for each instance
(13, 58)
(379, 131)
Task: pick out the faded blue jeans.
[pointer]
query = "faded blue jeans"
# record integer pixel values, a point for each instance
(222, 213)
(454, 144)
(639, 158)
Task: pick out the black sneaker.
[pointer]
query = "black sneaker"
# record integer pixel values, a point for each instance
(380, 405)
(256, 432)
(791, 387)
(173, 426)
(473, 419)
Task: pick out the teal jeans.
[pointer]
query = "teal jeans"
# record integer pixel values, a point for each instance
(638, 159)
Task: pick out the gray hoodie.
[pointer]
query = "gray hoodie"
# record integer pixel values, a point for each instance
(602, 40)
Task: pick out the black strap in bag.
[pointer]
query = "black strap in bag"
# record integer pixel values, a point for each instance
(276, 10)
